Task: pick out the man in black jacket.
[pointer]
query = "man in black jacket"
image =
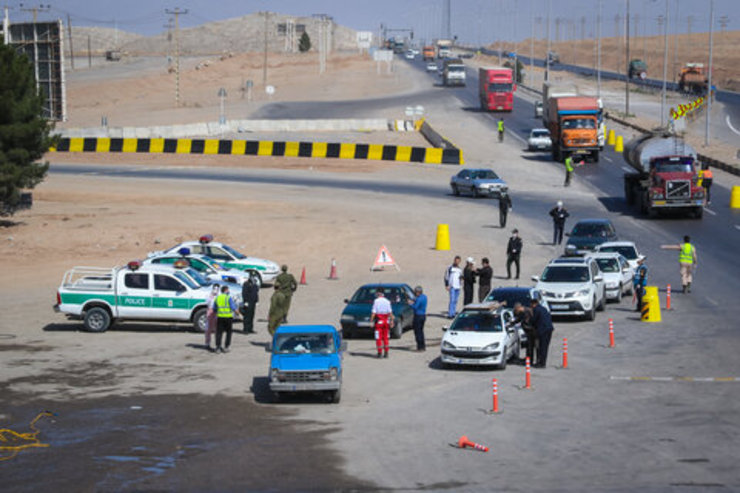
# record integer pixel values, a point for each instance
(513, 253)
(504, 205)
(523, 316)
(543, 326)
(250, 296)
(559, 215)
(468, 281)
(484, 274)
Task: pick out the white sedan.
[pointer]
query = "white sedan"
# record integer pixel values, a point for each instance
(479, 336)
(626, 248)
(616, 272)
(539, 140)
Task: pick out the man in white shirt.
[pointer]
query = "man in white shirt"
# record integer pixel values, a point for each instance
(452, 284)
(382, 315)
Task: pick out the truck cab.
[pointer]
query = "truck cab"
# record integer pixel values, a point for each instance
(306, 358)
(574, 125)
(453, 72)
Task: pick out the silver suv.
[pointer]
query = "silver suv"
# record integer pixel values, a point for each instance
(572, 286)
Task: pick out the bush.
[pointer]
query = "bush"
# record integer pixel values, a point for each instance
(304, 44)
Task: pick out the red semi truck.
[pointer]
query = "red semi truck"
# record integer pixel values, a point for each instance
(573, 122)
(496, 89)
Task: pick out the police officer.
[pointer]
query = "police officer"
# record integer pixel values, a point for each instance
(504, 205)
(640, 281)
(543, 326)
(501, 130)
(706, 181)
(513, 253)
(568, 170)
(225, 310)
(250, 296)
(485, 273)
(559, 215)
(287, 285)
(523, 316)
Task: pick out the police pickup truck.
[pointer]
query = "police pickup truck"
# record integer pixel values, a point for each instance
(152, 293)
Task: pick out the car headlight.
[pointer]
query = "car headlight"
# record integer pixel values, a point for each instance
(447, 345)
(333, 374)
(584, 292)
(491, 347)
(347, 318)
(274, 374)
(699, 194)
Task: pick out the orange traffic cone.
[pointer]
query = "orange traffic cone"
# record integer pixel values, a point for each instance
(303, 276)
(464, 442)
(333, 271)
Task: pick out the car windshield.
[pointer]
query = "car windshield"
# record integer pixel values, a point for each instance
(213, 263)
(455, 68)
(565, 273)
(627, 251)
(197, 276)
(579, 123)
(540, 133)
(475, 321)
(185, 279)
(608, 264)
(304, 343)
(510, 297)
(499, 87)
(589, 229)
(367, 294)
(672, 167)
(484, 174)
(233, 252)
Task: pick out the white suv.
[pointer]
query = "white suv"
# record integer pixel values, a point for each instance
(572, 286)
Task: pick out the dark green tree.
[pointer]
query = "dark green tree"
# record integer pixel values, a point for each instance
(24, 132)
(518, 72)
(304, 44)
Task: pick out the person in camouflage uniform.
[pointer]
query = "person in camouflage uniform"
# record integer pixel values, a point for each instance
(286, 284)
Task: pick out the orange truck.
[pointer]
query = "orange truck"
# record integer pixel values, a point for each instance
(573, 125)
(693, 78)
(428, 53)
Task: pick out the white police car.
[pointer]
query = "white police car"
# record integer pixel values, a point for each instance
(205, 265)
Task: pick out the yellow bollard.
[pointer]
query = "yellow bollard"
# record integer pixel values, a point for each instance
(735, 198)
(443, 237)
(619, 146)
(610, 138)
(650, 309)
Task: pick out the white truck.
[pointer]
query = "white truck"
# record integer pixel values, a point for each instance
(453, 72)
(150, 293)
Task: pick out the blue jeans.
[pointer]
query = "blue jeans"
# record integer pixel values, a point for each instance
(454, 295)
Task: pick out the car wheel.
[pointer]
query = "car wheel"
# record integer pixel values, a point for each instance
(602, 304)
(504, 357)
(455, 190)
(619, 293)
(476, 193)
(335, 396)
(346, 334)
(397, 329)
(97, 319)
(631, 290)
(591, 315)
(277, 396)
(200, 320)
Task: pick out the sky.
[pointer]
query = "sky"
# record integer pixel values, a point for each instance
(473, 21)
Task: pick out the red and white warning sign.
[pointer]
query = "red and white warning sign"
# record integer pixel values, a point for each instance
(383, 260)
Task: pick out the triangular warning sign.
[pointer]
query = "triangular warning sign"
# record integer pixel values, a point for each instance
(383, 259)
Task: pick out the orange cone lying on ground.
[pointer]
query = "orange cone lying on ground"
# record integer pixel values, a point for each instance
(464, 442)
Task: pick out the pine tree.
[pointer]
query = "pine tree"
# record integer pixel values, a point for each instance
(24, 132)
(304, 44)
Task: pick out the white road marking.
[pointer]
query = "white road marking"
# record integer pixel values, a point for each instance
(608, 159)
(675, 379)
(729, 124)
(710, 211)
(625, 168)
(711, 301)
(737, 226)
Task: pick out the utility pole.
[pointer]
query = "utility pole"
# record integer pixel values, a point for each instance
(89, 53)
(547, 56)
(665, 64)
(675, 43)
(531, 39)
(36, 10)
(448, 19)
(170, 24)
(71, 50)
(583, 28)
(598, 56)
(6, 25)
(617, 21)
(177, 12)
(627, 62)
(709, 78)
(264, 55)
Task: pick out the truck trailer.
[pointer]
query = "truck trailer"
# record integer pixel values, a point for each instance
(496, 88)
(665, 176)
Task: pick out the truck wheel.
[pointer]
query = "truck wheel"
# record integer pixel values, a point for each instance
(595, 156)
(699, 213)
(397, 329)
(335, 396)
(629, 195)
(200, 320)
(97, 319)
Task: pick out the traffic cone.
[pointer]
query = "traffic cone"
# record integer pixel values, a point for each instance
(303, 276)
(333, 270)
(464, 442)
(619, 145)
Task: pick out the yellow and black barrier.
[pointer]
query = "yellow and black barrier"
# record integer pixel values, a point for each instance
(375, 152)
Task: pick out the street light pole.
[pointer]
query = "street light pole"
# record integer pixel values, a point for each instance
(709, 78)
(598, 56)
(547, 55)
(665, 65)
(627, 60)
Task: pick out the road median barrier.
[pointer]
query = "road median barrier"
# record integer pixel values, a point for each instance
(374, 152)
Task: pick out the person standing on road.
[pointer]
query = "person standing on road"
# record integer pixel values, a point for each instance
(287, 284)
(504, 206)
(687, 260)
(278, 311)
(382, 316)
(513, 253)
(484, 274)
(211, 315)
(250, 296)
(568, 170)
(501, 129)
(468, 281)
(543, 326)
(559, 215)
(640, 281)
(453, 275)
(523, 316)
(706, 181)
(225, 311)
(419, 305)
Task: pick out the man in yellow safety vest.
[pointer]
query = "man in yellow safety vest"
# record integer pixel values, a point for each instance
(687, 260)
(225, 310)
(501, 130)
(568, 170)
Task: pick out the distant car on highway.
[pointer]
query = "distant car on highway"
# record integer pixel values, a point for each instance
(539, 140)
(355, 317)
(410, 55)
(554, 57)
(538, 109)
(479, 336)
(431, 67)
(616, 272)
(480, 182)
(587, 234)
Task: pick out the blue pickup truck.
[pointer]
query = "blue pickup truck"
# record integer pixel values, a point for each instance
(306, 358)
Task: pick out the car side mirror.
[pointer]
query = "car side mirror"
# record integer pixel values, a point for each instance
(536, 278)
(346, 300)
(445, 327)
(598, 279)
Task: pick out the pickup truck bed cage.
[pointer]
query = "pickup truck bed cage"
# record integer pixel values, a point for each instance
(88, 279)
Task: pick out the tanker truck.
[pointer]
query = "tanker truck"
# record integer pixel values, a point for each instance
(665, 177)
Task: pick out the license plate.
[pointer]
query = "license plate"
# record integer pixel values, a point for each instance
(559, 307)
(364, 324)
(658, 202)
